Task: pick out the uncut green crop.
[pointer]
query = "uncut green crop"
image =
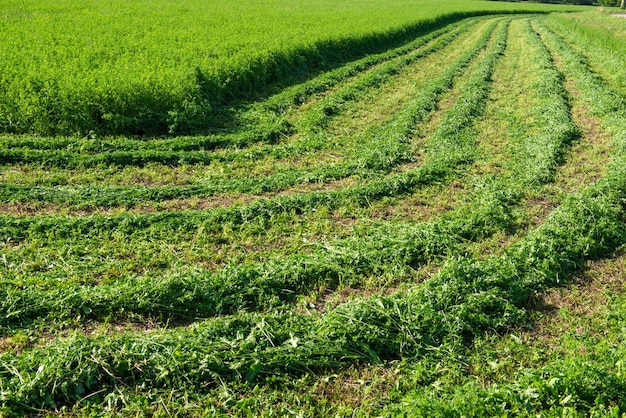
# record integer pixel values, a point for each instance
(120, 67)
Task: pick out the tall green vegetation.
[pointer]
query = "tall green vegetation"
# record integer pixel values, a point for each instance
(145, 68)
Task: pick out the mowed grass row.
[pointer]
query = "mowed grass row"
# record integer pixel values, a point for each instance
(223, 164)
(398, 129)
(591, 34)
(367, 346)
(222, 170)
(540, 154)
(182, 295)
(454, 122)
(601, 99)
(468, 297)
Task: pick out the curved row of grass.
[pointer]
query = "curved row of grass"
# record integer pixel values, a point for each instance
(321, 269)
(459, 303)
(381, 149)
(316, 119)
(602, 100)
(580, 383)
(55, 231)
(252, 287)
(592, 35)
(545, 148)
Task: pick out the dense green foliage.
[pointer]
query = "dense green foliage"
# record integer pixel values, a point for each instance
(114, 69)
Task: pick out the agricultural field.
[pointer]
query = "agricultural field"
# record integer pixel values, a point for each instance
(405, 210)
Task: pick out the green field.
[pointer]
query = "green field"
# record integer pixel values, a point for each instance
(161, 67)
(312, 209)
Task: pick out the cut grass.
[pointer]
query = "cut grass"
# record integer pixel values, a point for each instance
(323, 299)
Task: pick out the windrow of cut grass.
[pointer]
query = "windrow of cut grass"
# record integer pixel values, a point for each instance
(602, 100)
(268, 285)
(454, 141)
(317, 117)
(283, 160)
(299, 94)
(585, 378)
(20, 228)
(56, 230)
(381, 149)
(50, 263)
(461, 302)
(582, 380)
(544, 149)
(339, 142)
(588, 34)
